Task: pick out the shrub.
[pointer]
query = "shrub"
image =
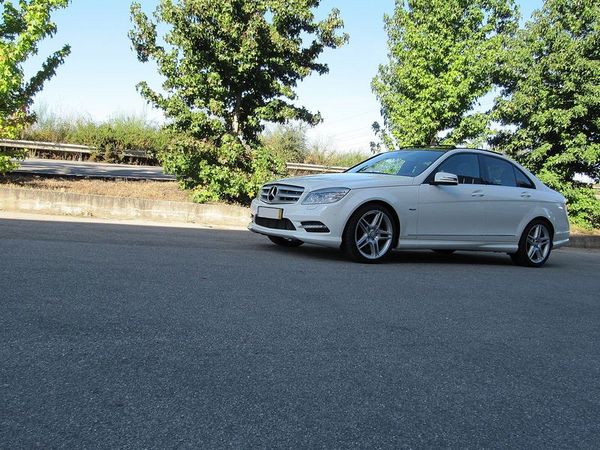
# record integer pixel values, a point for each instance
(112, 138)
(320, 154)
(287, 142)
(219, 170)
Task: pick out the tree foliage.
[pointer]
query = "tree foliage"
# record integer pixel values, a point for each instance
(551, 101)
(229, 67)
(443, 56)
(22, 27)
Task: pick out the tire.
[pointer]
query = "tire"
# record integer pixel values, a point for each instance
(444, 251)
(535, 245)
(370, 234)
(285, 242)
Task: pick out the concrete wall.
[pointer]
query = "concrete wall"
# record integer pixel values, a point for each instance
(584, 241)
(104, 207)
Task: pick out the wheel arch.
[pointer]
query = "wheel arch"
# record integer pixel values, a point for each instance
(542, 213)
(388, 206)
(543, 219)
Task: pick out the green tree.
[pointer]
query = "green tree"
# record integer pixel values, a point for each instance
(22, 27)
(229, 67)
(551, 101)
(443, 56)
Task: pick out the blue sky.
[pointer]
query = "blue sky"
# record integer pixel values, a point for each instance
(98, 79)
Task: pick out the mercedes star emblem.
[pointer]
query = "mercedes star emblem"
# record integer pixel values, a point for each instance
(272, 193)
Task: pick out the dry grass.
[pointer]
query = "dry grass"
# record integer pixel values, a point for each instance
(152, 190)
(579, 231)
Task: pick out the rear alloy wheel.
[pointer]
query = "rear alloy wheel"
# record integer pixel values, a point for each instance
(285, 242)
(369, 234)
(535, 245)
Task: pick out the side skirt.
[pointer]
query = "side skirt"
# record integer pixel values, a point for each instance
(446, 244)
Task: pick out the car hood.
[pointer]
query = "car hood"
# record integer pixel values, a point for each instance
(347, 180)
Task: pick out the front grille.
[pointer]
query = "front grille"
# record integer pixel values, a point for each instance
(280, 193)
(283, 224)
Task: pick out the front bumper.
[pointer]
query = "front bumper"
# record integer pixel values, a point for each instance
(297, 213)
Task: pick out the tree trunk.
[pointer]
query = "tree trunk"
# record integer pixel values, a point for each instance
(236, 125)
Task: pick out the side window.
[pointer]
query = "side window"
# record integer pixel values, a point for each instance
(498, 172)
(465, 166)
(523, 180)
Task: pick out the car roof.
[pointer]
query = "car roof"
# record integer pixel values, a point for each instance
(448, 148)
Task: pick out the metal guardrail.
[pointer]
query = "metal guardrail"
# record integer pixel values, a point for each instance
(50, 146)
(315, 168)
(86, 150)
(66, 148)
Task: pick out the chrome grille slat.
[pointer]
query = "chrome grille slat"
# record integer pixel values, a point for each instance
(285, 193)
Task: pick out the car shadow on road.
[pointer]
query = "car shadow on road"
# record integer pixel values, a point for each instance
(398, 256)
(242, 241)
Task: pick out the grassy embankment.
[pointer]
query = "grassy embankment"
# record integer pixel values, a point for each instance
(115, 136)
(152, 190)
(123, 133)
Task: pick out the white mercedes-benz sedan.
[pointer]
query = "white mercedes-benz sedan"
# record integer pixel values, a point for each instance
(439, 199)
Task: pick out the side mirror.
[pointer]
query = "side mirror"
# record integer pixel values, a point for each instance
(445, 179)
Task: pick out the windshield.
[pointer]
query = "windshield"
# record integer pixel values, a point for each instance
(408, 163)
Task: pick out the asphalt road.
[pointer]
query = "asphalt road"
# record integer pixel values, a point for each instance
(146, 337)
(91, 170)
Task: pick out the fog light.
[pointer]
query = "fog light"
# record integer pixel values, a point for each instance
(315, 227)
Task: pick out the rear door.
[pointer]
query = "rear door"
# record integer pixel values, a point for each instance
(509, 197)
(453, 212)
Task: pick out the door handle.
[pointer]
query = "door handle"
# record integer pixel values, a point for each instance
(525, 195)
(477, 194)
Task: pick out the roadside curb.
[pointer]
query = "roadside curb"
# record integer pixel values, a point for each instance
(43, 201)
(583, 241)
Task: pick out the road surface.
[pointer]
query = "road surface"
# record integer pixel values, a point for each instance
(130, 336)
(91, 170)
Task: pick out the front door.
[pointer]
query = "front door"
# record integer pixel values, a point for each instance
(453, 212)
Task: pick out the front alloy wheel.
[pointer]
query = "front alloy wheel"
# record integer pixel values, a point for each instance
(369, 235)
(535, 245)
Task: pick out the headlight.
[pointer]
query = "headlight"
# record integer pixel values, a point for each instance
(329, 195)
